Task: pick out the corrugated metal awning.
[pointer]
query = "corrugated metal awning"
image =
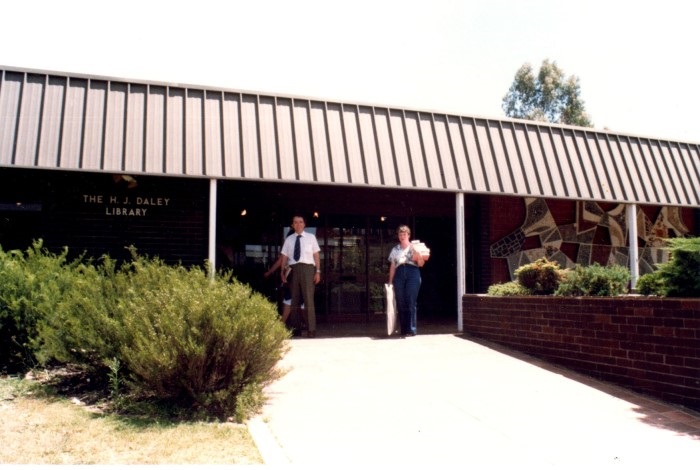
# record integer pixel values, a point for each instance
(73, 122)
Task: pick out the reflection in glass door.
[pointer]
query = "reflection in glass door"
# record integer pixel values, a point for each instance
(355, 269)
(379, 244)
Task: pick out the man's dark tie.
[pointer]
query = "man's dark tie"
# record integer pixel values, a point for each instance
(297, 248)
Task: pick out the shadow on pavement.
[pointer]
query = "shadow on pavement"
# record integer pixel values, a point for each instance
(654, 411)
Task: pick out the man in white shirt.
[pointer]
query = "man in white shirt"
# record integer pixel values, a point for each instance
(301, 253)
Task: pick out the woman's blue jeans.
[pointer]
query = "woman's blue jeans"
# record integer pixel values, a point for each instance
(406, 286)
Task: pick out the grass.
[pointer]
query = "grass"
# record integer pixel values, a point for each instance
(41, 428)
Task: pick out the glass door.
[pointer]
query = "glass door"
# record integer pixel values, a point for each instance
(355, 267)
(345, 267)
(379, 243)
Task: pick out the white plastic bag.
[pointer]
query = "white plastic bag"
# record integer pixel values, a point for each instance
(392, 318)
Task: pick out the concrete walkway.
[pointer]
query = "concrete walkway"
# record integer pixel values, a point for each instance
(447, 401)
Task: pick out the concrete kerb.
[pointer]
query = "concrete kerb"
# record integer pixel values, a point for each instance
(270, 450)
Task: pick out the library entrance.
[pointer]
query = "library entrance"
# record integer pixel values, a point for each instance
(355, 228)
(354, 250)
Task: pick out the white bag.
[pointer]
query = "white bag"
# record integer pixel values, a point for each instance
(392, 317)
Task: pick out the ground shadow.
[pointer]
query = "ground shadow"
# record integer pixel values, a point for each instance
(654, 411)
(375, 328)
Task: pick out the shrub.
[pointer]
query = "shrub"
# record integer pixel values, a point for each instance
(170, 333)
(540, 277)
(651, 284)
(507, 289)
(200, 343)
(681, 274)
(84, 326)
(31, 285)
(594, 280)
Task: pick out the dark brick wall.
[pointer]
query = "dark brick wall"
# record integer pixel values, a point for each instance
(647, 344)
(99, 214)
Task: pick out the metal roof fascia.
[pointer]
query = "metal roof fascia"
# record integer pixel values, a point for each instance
(112, 125)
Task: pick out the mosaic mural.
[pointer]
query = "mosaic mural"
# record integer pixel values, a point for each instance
(579, 242)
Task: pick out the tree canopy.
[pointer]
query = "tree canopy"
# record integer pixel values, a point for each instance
(549, 97)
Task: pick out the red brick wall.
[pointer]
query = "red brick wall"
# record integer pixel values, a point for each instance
(647, 344)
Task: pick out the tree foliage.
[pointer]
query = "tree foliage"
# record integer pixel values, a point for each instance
(550, 96)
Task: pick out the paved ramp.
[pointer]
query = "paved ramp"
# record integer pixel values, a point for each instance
(443, 400)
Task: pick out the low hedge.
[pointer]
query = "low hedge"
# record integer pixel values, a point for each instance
(543, 277)
(679, 277)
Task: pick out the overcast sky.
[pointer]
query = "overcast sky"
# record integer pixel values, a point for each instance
(636, 60)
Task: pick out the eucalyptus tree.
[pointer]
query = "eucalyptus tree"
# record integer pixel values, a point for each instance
(550, 96)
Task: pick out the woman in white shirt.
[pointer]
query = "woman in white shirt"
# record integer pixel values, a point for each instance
(404, 274)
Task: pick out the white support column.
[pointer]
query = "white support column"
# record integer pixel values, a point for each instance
(461, 250)
(633, 244)
(212, 226)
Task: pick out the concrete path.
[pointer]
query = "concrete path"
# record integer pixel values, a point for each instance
(446, 401)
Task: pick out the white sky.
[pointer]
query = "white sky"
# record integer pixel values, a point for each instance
(637, 61)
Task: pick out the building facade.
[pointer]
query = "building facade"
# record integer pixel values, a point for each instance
(193, 174)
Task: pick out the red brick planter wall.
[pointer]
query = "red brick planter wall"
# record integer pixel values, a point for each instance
(650, 345)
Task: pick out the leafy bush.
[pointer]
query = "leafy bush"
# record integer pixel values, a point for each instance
(540, 277)
(83, 326)
(680, 276)
(594, 280)
(172, 334)
(31, 284)
(201, 343)
(651, 284)
(508, 289)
